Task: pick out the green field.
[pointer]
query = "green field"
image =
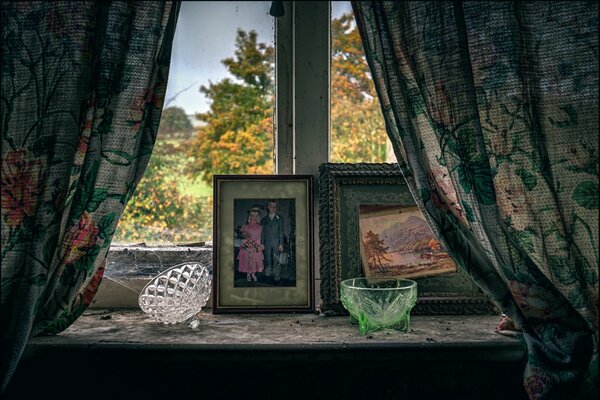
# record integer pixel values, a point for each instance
(196, 188)
(172, 152)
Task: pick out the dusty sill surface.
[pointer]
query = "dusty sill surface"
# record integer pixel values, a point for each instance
(98, 329)
(125, 354)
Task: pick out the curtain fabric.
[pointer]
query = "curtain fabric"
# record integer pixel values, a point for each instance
(492, 108)
(82, 91)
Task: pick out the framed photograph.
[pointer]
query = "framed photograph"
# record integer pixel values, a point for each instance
(262, 244)
(352, 197)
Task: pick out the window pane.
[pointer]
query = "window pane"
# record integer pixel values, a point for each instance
(217, 119)
(357, 126)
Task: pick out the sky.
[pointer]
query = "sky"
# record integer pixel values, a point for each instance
(205, 35)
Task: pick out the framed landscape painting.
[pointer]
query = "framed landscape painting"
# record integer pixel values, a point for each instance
(396, 241)
(262, 243)
(376, 189)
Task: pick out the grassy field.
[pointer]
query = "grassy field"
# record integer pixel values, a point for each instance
(196, 188)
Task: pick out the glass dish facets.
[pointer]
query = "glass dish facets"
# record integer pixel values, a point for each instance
(379, 303)
(177, 294)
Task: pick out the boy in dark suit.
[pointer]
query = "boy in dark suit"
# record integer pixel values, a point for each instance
(272, 238)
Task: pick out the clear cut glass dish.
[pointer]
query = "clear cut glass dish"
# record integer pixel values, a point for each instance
(177, 294)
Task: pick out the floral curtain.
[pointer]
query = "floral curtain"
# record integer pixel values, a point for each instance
(493, 106)
(82, 90)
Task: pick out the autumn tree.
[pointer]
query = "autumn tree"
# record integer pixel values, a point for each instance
(158, 212)
(357, 126)
(238, 135)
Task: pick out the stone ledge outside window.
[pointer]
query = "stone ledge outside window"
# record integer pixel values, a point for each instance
(129, 268)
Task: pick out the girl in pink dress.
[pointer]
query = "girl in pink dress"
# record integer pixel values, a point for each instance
(251, 255)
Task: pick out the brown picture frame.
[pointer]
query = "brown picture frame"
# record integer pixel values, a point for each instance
(252, 274)
(343, 188)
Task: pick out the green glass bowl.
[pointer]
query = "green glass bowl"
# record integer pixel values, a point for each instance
(376, 304)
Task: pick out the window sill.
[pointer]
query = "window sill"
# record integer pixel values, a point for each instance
(291, 356)
(471, 335)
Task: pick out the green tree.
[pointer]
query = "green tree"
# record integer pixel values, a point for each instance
(174, 123)
(238, 135)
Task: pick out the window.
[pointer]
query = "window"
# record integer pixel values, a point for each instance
(217, 116)
(294, 80)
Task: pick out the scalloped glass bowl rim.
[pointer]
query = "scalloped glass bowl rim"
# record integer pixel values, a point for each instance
(352, 283)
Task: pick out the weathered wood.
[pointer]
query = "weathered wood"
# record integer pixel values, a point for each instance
(132, 328)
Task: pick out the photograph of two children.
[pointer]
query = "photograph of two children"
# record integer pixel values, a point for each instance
(264, 242)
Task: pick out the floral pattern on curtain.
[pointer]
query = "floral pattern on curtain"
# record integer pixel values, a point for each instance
(493, 108)
(82, 92)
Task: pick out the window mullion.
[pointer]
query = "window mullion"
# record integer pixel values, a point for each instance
(284, 112)
(311, 85)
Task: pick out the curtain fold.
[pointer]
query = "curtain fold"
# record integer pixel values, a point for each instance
(83, 85)
(492, 109)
